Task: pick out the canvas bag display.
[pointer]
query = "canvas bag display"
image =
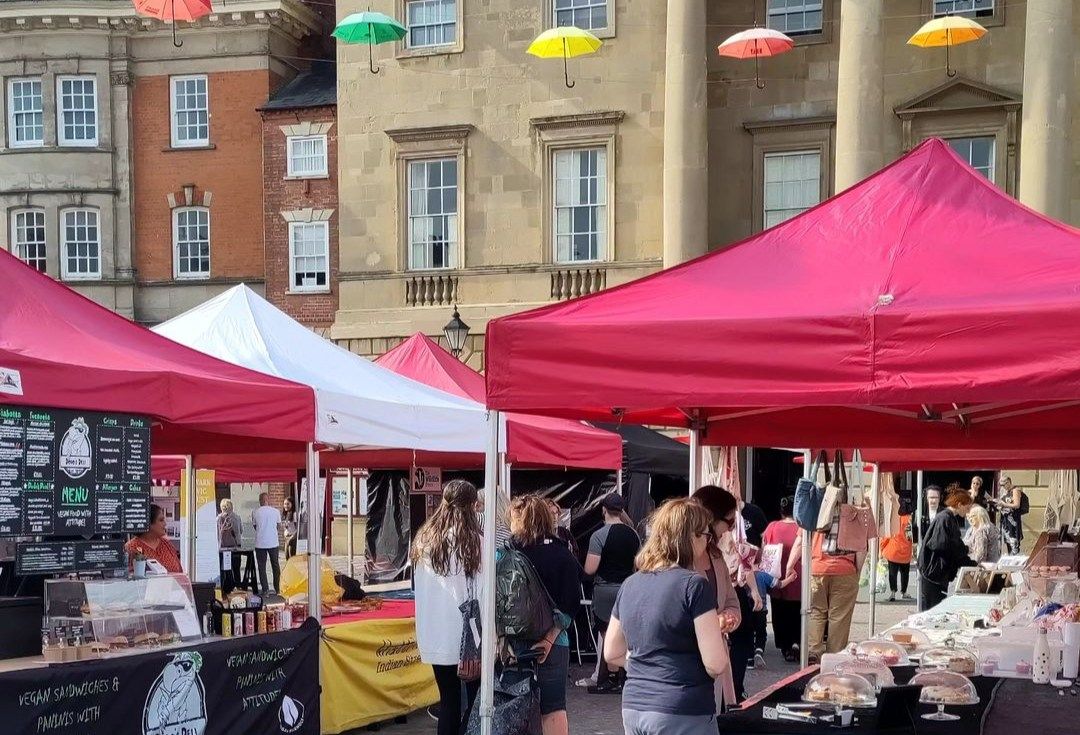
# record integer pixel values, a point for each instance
(469, 660)
(835, 494)
(857, 528)
(808, 495)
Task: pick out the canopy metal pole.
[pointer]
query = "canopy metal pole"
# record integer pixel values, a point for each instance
(487, 598)
(619, 481)
(349, 517)
(190, 508)
(918, 534)
(748, 493)
(875, 548)
(314, 535)
(807, 550)
(695, 459)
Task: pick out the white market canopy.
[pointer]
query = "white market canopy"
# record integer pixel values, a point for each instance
(358, 404)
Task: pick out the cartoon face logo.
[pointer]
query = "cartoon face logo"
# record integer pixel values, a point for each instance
(75, 449)
(176, 703)
(290, 714)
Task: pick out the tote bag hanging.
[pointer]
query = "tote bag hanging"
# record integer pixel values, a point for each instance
(835, 494)
(808, 495)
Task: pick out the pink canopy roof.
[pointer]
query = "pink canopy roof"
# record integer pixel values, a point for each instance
(69, 352)
(531, 440)
(921, 307)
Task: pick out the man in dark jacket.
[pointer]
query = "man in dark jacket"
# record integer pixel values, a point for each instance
(943, 550)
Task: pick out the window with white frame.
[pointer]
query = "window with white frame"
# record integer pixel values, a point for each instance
(978, 152)
(80, 256)
(28, 237)
(431, 22)
(970, 8)
(589, 15)
(190, 104)
(792, 184)
(76, 111)
(433, 213)
(795, 17)
(307, 155)
(191, 242)
(26, 113)
(580, 204)
(309, 256)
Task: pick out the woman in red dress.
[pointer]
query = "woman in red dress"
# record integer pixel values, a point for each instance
(154, 545)
(787, 594)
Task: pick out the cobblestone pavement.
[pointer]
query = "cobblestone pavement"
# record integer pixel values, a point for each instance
(594, 714)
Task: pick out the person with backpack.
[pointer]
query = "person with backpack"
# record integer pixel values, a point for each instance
(446, 559)
(665, 630)
(1013, 504)
(532, 529)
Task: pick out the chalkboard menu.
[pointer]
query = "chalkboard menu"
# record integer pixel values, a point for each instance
(59, 557)
(73, 473)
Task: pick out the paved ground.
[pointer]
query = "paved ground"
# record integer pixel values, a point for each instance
(592, 714)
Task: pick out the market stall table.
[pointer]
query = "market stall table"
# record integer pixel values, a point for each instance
(371, 668)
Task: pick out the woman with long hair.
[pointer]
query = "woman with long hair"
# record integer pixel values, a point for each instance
(288, 525)
(943, 551)
(532, 528)
(665, 632)
(446, 558)
(736, 600)
(983, 539)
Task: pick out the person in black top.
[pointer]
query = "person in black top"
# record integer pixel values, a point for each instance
(943, 550)
(610, 561)
(532, 528)
(755, 523)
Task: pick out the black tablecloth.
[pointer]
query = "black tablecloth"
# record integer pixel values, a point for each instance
(1022, 708)
(898, 712)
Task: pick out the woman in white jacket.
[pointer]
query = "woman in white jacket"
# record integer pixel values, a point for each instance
(446, 574)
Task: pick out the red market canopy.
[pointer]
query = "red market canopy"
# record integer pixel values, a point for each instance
(922, 307)
(61, 350)
(531, 440)
(905, 460)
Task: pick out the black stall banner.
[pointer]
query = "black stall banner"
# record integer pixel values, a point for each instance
(267, 684)
(73, 473)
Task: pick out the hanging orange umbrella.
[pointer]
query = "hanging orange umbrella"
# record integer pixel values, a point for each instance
(949, 31)
(755, 43)
(174, 10)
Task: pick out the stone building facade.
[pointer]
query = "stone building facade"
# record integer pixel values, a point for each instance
(300, 202)
(695, 156)
(113, 140)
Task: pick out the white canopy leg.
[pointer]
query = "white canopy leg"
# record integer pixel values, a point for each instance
(349, 518)
(487, 599)
(695, 460)
(875, 548)
(314, 534)
(190, 508)
(919, 533)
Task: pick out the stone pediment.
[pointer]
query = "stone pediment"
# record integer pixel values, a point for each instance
(959, 94)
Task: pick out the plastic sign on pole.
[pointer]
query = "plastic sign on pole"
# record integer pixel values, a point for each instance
(427, 480)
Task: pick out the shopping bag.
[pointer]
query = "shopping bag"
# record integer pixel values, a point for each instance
(469, 657)
(772, 557)
(517, 705)
(835, 494)
(808, 495)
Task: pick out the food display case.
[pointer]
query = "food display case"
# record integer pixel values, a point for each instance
(944, 688)
(910, 639)
(956, 660)
(102, 616)
(840, 690)
(890, 653)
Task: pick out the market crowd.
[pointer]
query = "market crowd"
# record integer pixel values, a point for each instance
(687, 597)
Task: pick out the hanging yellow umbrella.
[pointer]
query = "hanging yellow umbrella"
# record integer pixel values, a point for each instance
(566, 42)
(951, 30)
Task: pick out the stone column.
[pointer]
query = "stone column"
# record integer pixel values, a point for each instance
(686, 131)
(1045, 152)
(860, 94)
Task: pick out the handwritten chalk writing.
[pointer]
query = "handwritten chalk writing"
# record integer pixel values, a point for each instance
(258, 657)
(261, 700)
(247, 681)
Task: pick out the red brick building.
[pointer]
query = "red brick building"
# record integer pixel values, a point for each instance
(300, 199)
(196, 142)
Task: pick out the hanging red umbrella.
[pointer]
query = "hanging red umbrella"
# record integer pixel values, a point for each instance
(755, 43)
(174, 10)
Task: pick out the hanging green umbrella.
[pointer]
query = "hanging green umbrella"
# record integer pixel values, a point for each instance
(370, 28)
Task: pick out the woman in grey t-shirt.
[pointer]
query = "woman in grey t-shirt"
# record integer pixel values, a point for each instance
(673, 651)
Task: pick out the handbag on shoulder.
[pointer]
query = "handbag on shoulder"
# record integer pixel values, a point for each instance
(469, 659)
(808, 495)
